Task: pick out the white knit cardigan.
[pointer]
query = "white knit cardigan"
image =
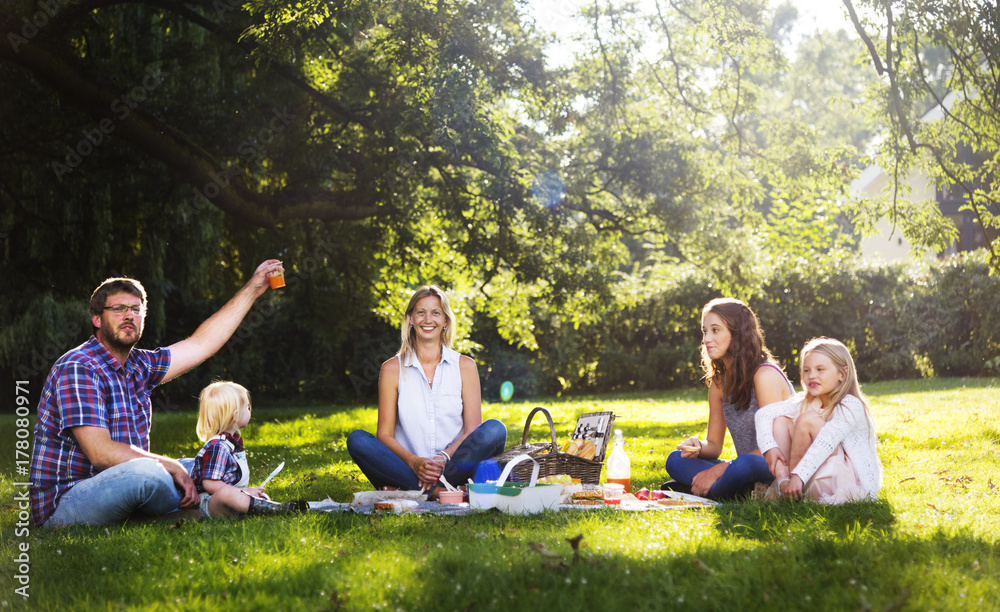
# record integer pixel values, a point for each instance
(849, 426)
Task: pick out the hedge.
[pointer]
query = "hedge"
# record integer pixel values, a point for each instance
(899, 322)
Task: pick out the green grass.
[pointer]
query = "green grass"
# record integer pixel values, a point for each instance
(929, 543)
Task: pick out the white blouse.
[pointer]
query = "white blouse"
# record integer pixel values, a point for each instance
(429, 417)
(849, 425)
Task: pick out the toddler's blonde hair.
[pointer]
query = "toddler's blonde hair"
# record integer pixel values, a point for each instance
(219, 406)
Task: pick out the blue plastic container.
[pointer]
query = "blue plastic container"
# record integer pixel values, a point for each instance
(486, 471)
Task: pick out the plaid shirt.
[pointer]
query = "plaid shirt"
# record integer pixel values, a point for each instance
(215, 461)
(86, 386)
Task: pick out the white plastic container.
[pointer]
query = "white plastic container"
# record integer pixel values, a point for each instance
(515, 497)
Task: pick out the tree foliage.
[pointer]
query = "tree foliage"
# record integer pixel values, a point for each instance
(938, 94)
(374, 146)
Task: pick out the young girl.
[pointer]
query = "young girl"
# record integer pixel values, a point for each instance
(821, 443)
(741, 375)
(220, 470)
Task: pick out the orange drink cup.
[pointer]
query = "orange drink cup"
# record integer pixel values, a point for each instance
(277, 279)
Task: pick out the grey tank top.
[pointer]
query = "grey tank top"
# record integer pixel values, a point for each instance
(741, 423)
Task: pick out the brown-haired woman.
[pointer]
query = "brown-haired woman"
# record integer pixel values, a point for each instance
(742, 376)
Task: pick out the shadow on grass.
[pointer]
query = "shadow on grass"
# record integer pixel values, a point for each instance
(804, 557)
(494, 562)
(766, 522)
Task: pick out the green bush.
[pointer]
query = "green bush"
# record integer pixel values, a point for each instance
(956, 317)
(656, 345)
(898, 321)
(862, 305)
(511, 366)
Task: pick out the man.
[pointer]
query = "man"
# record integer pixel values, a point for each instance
(91, 462)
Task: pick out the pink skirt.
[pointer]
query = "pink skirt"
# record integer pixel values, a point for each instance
(835, 482)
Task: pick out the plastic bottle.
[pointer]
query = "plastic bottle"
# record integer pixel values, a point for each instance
(619, 467)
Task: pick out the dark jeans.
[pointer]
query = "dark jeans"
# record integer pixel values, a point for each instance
(384, 469)
(737, 481)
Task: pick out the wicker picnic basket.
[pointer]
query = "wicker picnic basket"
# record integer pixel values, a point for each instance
(551, 461)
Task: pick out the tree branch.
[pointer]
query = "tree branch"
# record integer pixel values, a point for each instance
(168, 145)
(221, 33)
(900, 120)
(676, 64)
(864, 37)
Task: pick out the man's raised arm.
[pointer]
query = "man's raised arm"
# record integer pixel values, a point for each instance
(217, 329)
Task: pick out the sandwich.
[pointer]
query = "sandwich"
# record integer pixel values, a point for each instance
(588, 497)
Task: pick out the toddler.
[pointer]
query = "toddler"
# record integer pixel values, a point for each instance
(220, 470)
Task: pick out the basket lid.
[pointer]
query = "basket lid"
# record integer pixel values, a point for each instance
(595, 426)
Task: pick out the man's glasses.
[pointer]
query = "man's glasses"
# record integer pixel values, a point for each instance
(121, 309)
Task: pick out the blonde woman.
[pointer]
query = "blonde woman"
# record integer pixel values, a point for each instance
(429, 407)
(821, 443)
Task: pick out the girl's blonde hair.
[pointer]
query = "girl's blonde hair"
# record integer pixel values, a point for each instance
(219, 407)
(842, 360)
(409, 335)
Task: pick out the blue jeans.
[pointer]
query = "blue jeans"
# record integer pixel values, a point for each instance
(384, 469)
(112, 495)
(737, 481)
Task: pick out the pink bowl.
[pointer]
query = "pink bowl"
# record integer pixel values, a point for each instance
(450, 497)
